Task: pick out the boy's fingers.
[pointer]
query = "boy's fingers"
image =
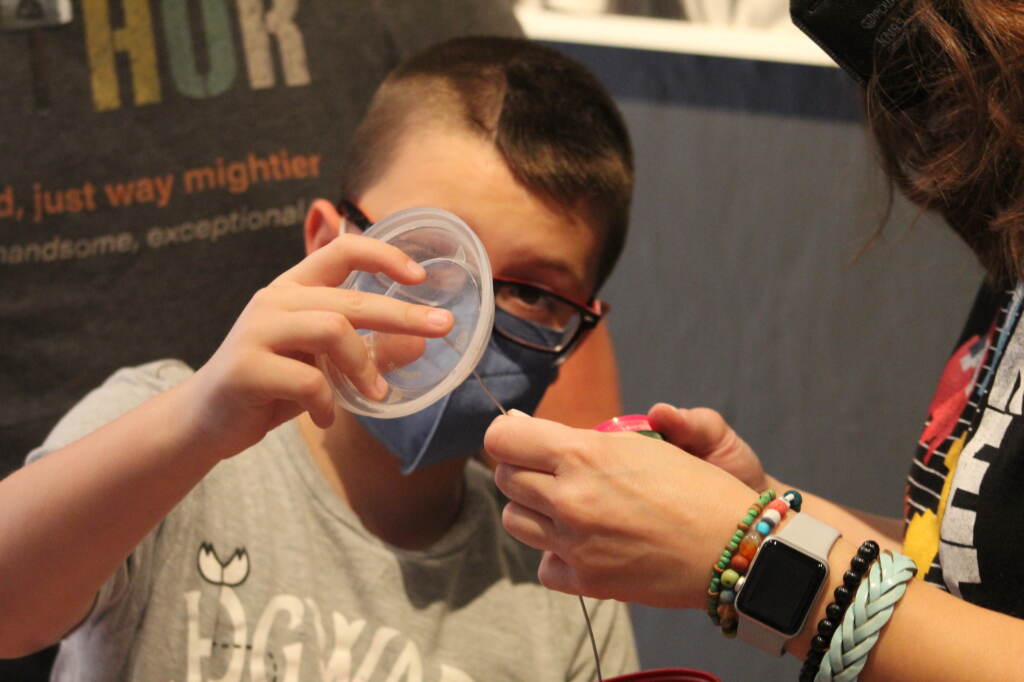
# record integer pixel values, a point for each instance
(364, 310)
(394, 351)
(331, 264)
(280, 378)
(318, 333)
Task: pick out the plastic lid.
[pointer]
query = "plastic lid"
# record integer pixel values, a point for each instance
(421, 371)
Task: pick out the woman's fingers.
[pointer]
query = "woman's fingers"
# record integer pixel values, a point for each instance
(533, 489)
(331, 264)
(555, 574)
(699, 431)
(528, 526)
(528, 442)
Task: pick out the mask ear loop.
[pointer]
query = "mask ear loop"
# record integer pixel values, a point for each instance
(586, 616)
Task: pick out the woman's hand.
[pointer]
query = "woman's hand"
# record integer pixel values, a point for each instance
(618, 515)
(264, 373)
(705, 434)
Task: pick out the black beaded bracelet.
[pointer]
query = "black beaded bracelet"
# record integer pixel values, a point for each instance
(835, 611)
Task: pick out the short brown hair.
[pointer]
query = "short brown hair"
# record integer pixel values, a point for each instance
(556, 127)
(958, 146)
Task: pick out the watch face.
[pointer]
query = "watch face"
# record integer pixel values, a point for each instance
(781, 586)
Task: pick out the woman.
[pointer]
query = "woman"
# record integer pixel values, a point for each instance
(946, 106)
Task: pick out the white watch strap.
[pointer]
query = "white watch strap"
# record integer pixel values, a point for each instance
(810, 536)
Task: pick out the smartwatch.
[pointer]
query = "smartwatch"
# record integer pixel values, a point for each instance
(783, 582)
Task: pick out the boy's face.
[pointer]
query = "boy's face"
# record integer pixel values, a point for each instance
(526, 238)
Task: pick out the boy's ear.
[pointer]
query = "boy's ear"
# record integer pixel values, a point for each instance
(323, 224)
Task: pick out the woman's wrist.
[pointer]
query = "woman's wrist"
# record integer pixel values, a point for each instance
(839, 559)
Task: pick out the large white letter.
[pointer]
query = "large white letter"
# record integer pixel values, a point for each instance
(198, 647)
(282, 603)
(335, 663)
(231, 604)
(256, 30)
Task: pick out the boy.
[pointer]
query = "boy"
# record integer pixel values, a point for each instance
(331, 549)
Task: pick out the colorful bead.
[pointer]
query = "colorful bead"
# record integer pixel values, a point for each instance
(779, 505)
(734, 560)
(771, 516)
(739, 563)
(763, 527)
(794, 499)
(750, 543)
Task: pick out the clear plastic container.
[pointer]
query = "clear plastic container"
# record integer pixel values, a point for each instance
(421, 371)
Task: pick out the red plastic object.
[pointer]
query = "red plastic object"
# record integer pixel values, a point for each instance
(666, 675)
(628, 422)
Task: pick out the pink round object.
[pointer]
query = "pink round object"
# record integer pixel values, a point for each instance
(628, 422)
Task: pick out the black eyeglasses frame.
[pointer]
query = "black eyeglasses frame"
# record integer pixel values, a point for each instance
(590, 314)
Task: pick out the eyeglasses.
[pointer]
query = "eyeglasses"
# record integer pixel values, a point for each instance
(525, 313)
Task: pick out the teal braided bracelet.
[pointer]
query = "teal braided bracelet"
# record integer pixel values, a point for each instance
(867, 615)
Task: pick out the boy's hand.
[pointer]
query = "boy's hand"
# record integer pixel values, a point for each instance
(263, 373)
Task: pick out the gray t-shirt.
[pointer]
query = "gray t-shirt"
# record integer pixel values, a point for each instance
(262, 573)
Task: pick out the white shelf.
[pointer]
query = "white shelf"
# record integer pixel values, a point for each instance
(668, 35)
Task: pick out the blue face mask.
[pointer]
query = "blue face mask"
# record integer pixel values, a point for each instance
(454, 426)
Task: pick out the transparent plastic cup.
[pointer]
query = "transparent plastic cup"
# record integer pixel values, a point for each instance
(421, 371)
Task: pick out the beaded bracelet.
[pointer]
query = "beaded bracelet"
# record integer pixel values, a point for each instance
(834, 612)
(732, 564)
(871, 609)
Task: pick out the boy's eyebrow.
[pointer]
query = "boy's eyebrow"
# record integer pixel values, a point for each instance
(567, 277)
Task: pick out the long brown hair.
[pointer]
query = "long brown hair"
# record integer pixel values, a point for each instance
(955, 143)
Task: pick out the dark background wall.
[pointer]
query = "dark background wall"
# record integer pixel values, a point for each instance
(757, 186)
